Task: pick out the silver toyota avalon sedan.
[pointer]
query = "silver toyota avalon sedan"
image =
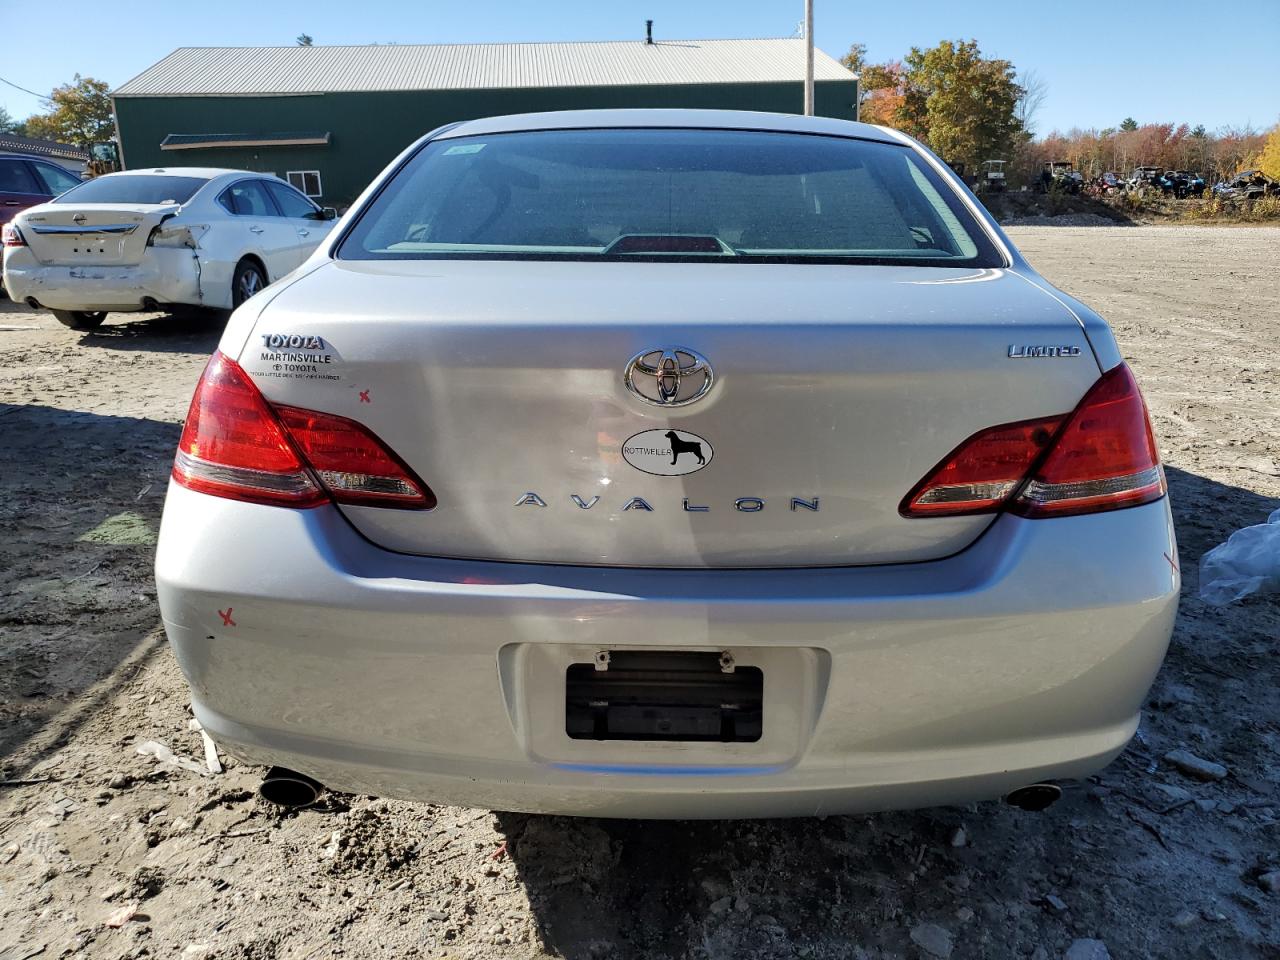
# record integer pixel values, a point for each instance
(669, 464)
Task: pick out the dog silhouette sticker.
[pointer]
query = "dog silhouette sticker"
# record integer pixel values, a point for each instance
(667, 453)
(679, 446)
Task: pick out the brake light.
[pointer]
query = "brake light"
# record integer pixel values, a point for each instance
(235, 445)
(1101, 456)
(981, 474)
(11, 236)
(354, 465)
(1104, 458)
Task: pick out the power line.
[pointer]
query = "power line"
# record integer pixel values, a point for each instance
(25, 90)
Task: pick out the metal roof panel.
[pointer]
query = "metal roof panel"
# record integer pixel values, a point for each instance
(263, 71)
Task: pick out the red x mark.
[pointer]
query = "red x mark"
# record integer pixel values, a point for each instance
(1171, 563)
(364, 397)
(226, 618)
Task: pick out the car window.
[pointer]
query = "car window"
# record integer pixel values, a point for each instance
(248, 198)
(134, 188)
(659, 193)
(16, 177)
(291, 202)
(55, 178)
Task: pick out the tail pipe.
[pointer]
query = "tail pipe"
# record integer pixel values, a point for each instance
(1036, 797)
(288, 788)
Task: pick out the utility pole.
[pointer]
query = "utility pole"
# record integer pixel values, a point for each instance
(808, 58)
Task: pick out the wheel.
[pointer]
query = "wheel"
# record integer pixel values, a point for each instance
(80, 319)
(247, 280)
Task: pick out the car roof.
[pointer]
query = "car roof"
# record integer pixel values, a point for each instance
(201, 173)
(14, 155)
(695, 119)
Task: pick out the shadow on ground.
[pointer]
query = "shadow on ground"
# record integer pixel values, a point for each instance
(159, 333)
(186, 331)
(80, 500)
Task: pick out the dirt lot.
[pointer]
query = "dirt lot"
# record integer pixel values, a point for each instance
(1144, 859)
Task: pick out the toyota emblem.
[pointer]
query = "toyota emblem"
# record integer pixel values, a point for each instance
(669, 376)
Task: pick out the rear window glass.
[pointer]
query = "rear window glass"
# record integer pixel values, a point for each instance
(669, 194)
(55, 178)
(134, 188)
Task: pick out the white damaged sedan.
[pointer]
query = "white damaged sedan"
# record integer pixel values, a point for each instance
(158, 239)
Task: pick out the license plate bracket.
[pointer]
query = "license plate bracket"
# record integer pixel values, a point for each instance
(664, 696)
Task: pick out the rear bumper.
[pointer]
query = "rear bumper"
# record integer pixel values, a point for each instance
(165, 275)
(1025, 657)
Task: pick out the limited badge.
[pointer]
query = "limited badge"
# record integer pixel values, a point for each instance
(667, 453)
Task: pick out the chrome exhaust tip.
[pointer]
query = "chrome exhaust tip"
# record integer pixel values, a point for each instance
(287, 788)
(33, 303)
(1034, 798)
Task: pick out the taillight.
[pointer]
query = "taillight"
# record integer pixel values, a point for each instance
(981, 474)
(1101, 456)
(11, 236)
(235, 445)
(354, 465)
(1104, 458)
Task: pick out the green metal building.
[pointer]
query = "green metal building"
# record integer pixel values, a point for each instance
(330, 118)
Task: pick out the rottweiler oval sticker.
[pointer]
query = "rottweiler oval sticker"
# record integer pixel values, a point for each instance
(667, 453)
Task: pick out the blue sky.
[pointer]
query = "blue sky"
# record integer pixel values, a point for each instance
(1177, 60)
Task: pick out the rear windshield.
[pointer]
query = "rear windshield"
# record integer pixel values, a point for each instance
(735, 196)
(134, 188)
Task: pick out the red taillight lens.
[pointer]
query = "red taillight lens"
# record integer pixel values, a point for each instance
(235, 445)
(11, 236)
(353, 464)
(1102, 456)
(1105, 457)
(981, 474)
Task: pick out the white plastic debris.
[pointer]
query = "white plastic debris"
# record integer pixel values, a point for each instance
(1248, 563)
(163, 754)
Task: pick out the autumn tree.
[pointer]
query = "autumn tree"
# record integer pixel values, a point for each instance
(856, 58)
(879, 86)
(1269, 160)
(1216, 155)
(883, 94)
(856, 61)
(79, 113)
(964, 105)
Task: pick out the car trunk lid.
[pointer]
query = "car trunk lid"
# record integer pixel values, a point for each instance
(93, 233)
(836, 388)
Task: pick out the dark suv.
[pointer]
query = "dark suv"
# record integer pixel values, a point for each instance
(26, 181)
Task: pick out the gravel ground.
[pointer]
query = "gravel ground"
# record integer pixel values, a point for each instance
(109, 852)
